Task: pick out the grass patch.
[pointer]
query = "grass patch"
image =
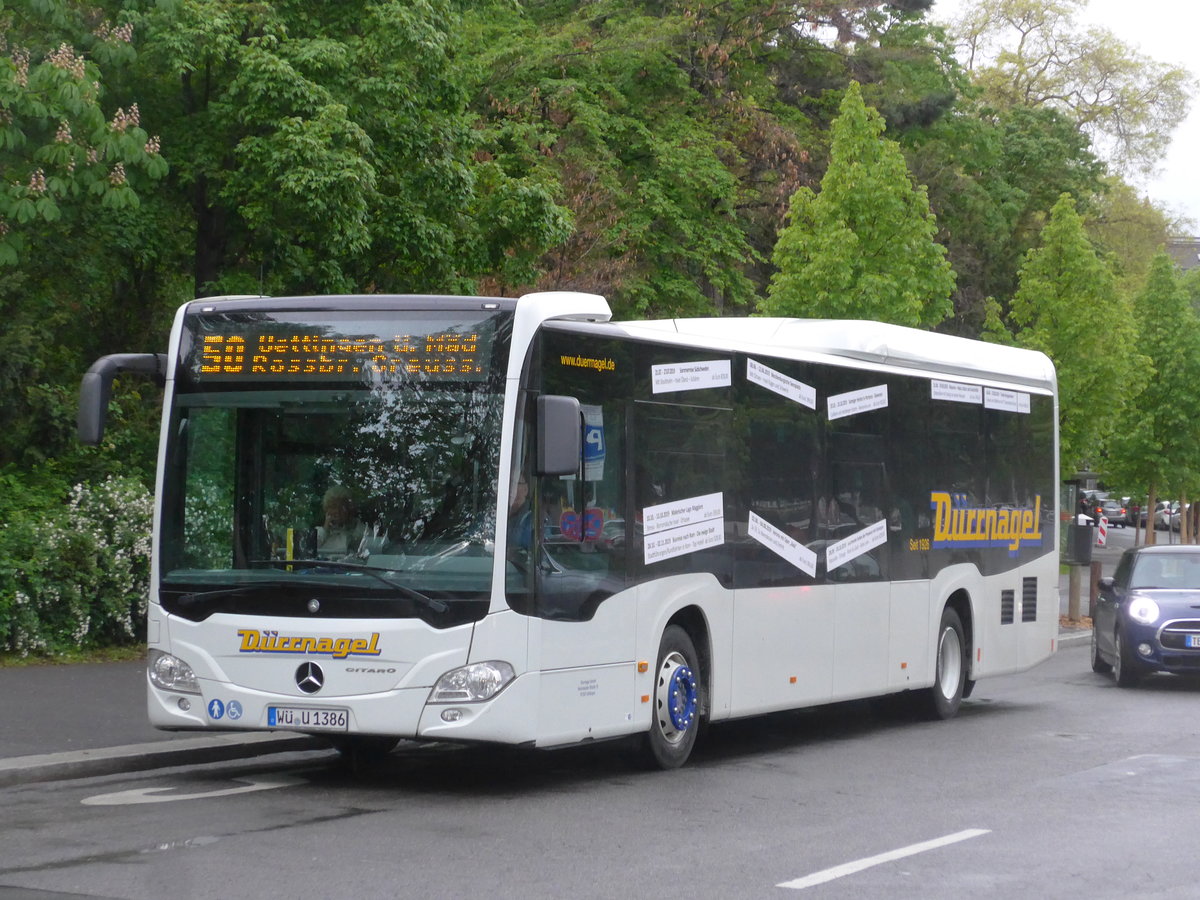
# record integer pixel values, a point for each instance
(106, 654)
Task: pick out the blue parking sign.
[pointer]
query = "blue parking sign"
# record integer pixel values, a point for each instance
(593, 443)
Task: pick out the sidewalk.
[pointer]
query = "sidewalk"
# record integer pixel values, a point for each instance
(76, 721)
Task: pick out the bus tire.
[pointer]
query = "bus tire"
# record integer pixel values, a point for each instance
(678, 701)
(950, 668)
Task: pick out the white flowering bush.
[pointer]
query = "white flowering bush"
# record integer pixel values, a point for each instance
(79, 578)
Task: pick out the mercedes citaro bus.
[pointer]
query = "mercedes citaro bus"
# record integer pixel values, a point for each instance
(559, 528)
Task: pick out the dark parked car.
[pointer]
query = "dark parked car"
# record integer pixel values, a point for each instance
(1147, 616)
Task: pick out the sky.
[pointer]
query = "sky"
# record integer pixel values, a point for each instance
(1166, 31)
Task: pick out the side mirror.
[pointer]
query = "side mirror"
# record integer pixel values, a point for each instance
(559, 435)
(96, 388)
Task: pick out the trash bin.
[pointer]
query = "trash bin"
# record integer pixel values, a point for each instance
(1079, 544)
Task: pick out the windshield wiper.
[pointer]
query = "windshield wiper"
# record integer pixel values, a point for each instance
(432, 603)
(201, 596)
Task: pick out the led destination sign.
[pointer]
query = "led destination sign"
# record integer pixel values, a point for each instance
(289, 351)
(263, 356)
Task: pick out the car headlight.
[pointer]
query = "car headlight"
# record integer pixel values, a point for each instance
(472, 684)
(1144, 610)
(171, 673)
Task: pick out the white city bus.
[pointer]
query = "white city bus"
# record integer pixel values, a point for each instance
(555, 528)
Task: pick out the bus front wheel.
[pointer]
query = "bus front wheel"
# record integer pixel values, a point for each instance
(678, 700)
(950, 669)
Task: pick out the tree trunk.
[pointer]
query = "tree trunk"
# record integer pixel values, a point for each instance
(1151, 502)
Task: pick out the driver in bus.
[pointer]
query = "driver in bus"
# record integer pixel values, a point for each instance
(342, 532)
(520, 515)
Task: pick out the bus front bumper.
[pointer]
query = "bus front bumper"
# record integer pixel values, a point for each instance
(509, 717)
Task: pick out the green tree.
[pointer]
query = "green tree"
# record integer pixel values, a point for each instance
(1157, 445)
(61, 147)
(993, 176)
(1033, 53)
(80, 173)
(329, 148)
(656, 126)
(1191, 286)
(864, 246)
(1068, 307)
(1132, 229)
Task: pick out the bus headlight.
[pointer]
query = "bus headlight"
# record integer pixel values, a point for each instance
(1144, 610)
(171, 673)
(472, 684)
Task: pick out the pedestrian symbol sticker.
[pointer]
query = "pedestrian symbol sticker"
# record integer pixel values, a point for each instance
(216, 709)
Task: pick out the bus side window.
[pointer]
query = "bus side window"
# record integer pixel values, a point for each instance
(682, 456)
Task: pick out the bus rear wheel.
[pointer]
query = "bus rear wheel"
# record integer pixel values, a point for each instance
(678, 701)
(950, 669)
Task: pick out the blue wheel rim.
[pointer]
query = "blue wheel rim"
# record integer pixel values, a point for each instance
(681, 704)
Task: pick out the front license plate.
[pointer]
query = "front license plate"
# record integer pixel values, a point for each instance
(1193, 640)
(306, 718)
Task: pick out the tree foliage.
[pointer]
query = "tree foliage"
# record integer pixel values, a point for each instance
(1068, 307)
(993, 177)
(1131, 229)
(1155, 447)
(61, 147)
(656, 126)
(1032, 53)
(80, 176)
(329, 148)
(863, 248)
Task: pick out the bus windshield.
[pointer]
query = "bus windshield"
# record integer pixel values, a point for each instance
(338, 463)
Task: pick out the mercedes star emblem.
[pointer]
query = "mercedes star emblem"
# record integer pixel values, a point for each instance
(309, 677)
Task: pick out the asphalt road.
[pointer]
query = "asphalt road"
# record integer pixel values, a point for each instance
(1053, 782)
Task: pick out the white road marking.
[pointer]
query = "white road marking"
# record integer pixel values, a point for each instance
(157, 795)
(858, 865)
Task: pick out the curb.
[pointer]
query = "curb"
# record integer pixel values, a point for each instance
(139, 757)
(1068, 636)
